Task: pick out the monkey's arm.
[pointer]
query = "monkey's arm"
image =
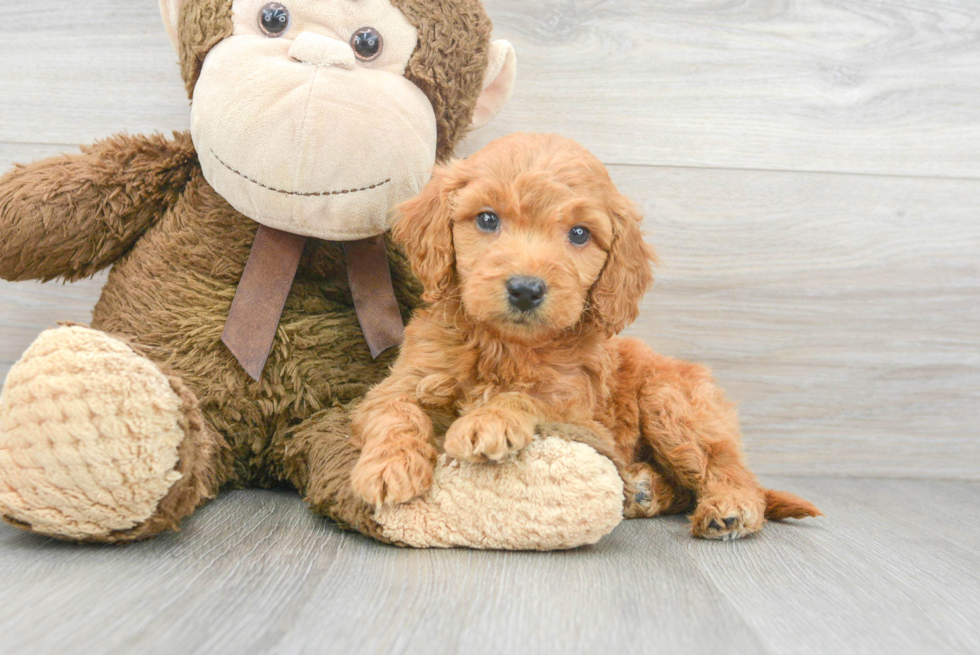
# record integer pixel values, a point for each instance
(72, 215)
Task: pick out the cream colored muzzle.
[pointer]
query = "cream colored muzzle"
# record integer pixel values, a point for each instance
(299, 136)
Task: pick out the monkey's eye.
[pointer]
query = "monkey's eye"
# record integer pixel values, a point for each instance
(579, 235)
(274, 20)
(488, 222)
(367, 43)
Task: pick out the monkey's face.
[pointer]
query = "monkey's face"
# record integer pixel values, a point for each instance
(303, 119)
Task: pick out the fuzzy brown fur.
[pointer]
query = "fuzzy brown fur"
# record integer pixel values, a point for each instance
(81, 213)
(451, 82)
(177, 251)
(203, 24)
(499, 371)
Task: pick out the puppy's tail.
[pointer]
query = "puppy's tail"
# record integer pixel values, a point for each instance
(784, 505)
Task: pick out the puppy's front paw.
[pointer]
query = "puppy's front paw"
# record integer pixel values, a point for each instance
(728, 516)
(483, 436)
(393, 473)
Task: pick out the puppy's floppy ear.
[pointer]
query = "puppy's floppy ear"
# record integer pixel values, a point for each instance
(425, 229)
(616, 295)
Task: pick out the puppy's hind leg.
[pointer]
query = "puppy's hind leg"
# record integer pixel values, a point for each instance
(647, 493)
(693, 431)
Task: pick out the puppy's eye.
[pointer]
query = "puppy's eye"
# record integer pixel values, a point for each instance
(367, 43)
(274, 20)
(579, 235)
(488, 222)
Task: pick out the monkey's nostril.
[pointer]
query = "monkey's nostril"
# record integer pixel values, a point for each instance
(525, 293)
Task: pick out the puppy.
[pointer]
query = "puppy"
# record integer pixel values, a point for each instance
(532, 262)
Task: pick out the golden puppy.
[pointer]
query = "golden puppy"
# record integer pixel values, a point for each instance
(532, 262)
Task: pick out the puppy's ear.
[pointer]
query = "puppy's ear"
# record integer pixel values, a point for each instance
(616, 295)
(424, 228)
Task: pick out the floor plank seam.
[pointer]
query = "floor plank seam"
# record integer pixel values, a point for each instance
(794, 171)
(689, 167)
(883, 478)
(40, 144)
(729, 601)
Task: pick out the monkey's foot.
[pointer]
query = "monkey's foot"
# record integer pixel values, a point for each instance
(91, 434)
(554, 494)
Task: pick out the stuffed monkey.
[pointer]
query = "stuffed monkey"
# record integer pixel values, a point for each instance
(252, 298)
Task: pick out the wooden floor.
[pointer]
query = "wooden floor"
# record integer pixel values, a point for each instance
(894, 567)
(810, 175)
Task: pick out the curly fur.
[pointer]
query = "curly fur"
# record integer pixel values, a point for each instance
(498, 372)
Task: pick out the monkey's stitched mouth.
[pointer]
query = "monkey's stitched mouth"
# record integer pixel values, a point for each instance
(298, 193)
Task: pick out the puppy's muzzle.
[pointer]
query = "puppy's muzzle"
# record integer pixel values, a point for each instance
(525, 293)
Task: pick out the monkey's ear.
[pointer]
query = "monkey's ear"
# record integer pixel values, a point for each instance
(170, 10)
(498, 83)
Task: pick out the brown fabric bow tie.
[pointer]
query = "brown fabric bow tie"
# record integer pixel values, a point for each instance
(261, 296)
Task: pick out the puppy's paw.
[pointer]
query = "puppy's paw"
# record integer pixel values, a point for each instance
(645, 491)
(483, 436)
(393, 473)
(729, 516)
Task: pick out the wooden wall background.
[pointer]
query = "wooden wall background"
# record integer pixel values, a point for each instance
(810, 171)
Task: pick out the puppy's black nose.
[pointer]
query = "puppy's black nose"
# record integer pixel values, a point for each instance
(525, 293)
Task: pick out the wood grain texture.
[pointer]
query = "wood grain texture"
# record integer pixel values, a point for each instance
(27, 308)
(74, 73)
(816, 85)
(893, 568)
(862, 86)
(840, 311)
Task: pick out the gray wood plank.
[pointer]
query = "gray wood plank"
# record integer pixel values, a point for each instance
(77, 73)
(862, 86)
(27, 308)
(24, 153)
(247, 556)
(864, 579)
(598, 600)
(841, 312)
(255, 572)
(801, 85)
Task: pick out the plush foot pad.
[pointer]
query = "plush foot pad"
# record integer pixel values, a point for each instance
(555, 494)
(89, 432)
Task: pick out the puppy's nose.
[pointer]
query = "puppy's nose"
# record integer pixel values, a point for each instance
(525, 293)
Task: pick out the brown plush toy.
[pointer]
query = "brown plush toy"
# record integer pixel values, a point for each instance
(252, 301)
